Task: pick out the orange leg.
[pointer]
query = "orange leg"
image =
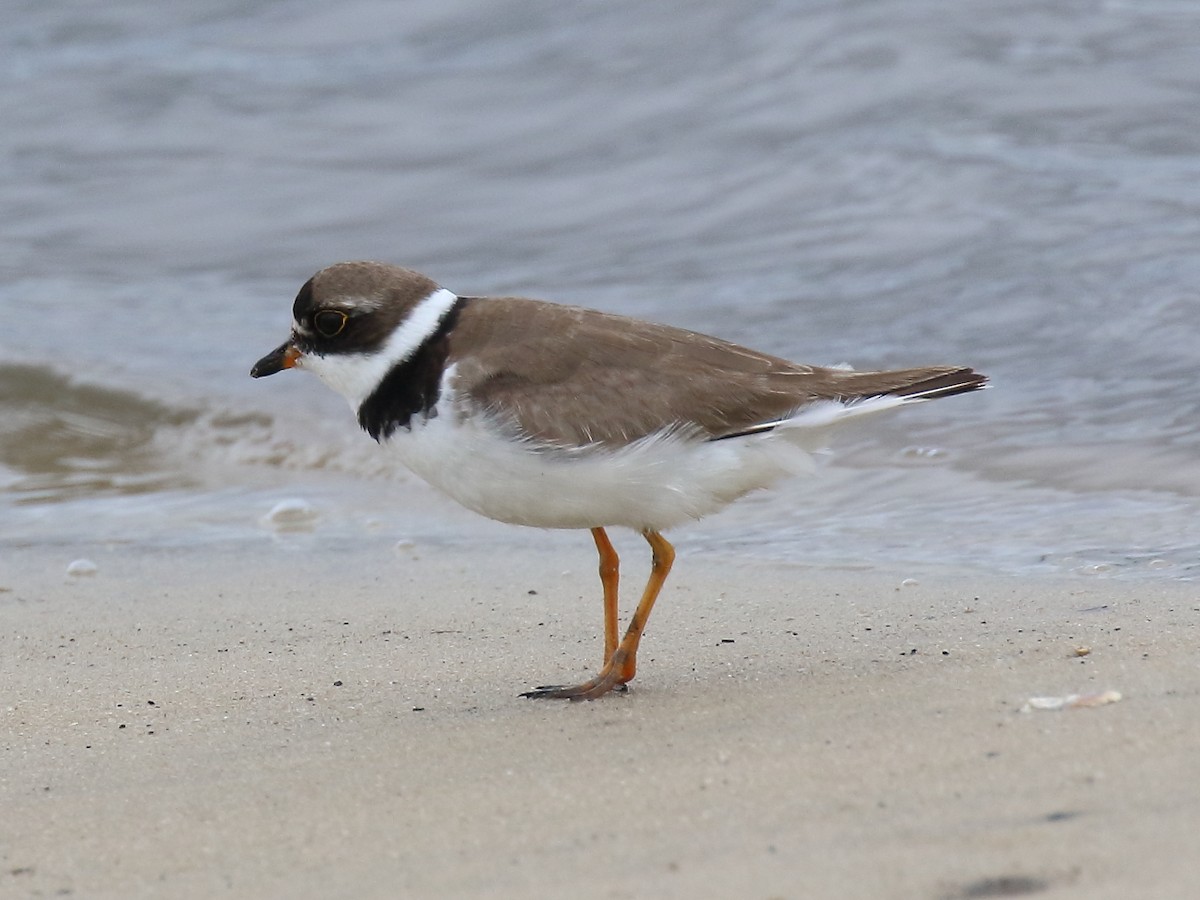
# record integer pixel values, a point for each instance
(609, 574)
(621, 665)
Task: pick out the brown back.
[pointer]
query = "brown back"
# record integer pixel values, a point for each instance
(573, 376)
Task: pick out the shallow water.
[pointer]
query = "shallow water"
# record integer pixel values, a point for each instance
(1004, 185)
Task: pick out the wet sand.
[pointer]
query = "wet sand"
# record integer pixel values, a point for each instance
(301, 719)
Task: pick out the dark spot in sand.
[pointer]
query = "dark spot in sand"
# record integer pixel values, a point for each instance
(1062, 815)
(1001, 886)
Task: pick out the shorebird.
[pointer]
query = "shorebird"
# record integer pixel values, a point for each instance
(540, 414)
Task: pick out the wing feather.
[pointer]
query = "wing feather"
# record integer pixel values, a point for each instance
(573, 377)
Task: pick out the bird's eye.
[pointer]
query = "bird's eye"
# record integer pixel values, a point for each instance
(329, 322)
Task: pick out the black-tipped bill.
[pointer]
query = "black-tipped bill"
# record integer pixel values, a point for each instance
(282, 357)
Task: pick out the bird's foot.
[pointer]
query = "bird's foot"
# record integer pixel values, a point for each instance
(589, 690)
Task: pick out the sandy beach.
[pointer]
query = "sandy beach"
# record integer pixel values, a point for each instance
(830, 691)
(291, 718)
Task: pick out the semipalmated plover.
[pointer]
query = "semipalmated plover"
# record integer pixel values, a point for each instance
(559, 417)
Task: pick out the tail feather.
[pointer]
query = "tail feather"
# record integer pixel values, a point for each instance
(870, 392)
(945, 383)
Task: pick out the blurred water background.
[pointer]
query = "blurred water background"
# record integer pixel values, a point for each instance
(1009, 184)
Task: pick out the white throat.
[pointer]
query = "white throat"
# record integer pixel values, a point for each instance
(356, 375)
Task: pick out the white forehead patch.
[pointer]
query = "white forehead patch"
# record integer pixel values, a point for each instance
(356, 375)
(356, 304)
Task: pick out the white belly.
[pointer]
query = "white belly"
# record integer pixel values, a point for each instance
(655, 483)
